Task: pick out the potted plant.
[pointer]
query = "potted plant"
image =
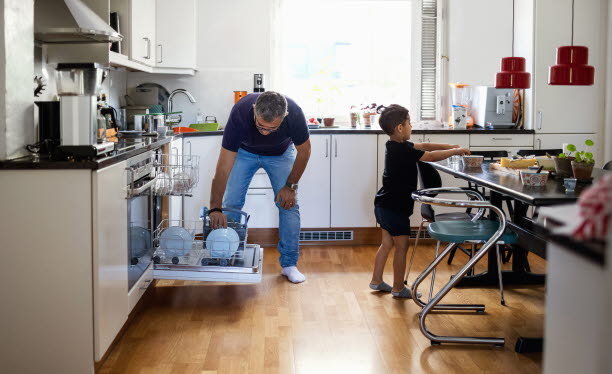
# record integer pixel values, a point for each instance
(582, 165)
(563, 162)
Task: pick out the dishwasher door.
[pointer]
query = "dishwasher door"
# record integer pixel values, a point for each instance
(247, 269)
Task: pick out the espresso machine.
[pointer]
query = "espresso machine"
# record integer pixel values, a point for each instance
(492, 107)
(82, 126)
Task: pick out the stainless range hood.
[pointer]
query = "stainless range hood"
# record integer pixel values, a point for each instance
(70, 21)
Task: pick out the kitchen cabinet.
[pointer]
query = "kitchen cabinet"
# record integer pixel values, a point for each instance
(142, 31)
(207, 148)
(463, 140)
(176, 36)
(314, 193)
(353, 180)
(110, 276)
(563, 109)
(259, 204)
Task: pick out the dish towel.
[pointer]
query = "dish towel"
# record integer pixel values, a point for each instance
(595, 209)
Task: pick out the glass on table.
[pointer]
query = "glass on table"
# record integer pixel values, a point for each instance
(454, 160)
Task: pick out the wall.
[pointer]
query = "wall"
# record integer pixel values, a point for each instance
(16, 74)
(480, 34)
(234, 42)
(607, 131)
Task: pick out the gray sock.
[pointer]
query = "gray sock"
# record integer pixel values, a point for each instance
(384, 287)
(404, 294)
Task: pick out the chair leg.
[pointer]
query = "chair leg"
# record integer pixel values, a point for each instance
(416, 243)
(451, 256)
(499, 275)
(433, 274)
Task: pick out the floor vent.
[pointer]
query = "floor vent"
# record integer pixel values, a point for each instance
(320, 236)
(424, 234)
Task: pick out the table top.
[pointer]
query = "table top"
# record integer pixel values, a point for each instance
(508, 184)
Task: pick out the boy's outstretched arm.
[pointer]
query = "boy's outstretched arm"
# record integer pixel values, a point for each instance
(435, 146)
(444, 154)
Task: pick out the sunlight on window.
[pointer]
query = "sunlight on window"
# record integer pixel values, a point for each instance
(336, 54)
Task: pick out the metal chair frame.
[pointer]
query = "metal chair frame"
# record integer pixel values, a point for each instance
(433, 304)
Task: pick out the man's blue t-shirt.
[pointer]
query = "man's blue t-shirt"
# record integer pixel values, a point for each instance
(240, 131)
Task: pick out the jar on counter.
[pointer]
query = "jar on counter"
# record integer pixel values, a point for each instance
(355, 118)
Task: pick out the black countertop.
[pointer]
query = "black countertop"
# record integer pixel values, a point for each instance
(125, 148)
(417, 129)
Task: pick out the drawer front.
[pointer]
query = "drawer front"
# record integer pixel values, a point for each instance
(511, 150)
(463, 140)
(140, 288)
(505, 140)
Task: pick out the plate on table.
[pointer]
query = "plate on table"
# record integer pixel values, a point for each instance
(223, 243)
(175, 238)
(140, 240)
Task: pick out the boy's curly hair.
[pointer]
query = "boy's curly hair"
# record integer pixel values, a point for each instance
(393, 116)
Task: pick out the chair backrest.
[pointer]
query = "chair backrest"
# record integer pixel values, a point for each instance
(608, 165)
(538, 152)
(429, 177)
(491, 155)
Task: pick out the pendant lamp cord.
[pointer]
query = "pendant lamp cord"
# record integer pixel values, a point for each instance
(513, 28)
(573, 22)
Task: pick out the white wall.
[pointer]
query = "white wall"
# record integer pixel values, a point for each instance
(16, 74)
(480, 34)
(608, 117)
(234, 42)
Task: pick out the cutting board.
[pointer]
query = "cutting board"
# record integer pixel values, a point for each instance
(497, 166)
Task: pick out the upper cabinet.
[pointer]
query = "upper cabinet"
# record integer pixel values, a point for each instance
(176, 44)
(142, 31)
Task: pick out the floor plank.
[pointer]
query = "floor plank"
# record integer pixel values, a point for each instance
(331, 323)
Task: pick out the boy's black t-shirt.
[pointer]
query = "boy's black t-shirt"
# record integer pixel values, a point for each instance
(399, 177)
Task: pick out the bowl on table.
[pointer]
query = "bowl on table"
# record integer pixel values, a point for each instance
(533, 178)
(472, 161)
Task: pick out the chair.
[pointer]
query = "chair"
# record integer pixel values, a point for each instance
(430, 178)
(538, 152)
(608, 166)
(490, 233)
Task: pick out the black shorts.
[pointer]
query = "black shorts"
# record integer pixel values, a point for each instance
(397, 223)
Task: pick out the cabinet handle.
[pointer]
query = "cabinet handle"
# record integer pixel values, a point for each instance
(326, 148)
(336, 145)
(502, 138)
(147, 47)
(257, 193)
(161, 55)
(539, 143)
(540, 120)
(189, 143)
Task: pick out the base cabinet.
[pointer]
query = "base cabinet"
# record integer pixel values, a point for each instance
(314, 194)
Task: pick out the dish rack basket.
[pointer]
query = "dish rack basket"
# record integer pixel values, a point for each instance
(176, 174)
(186, 246)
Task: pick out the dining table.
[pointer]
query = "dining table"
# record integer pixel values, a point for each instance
(523, 202)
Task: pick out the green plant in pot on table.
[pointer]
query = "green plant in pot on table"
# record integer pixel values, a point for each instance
(582, 165)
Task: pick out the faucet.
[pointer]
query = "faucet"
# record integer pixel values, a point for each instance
(176, 120)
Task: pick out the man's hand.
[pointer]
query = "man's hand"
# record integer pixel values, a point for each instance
(286, 198)
(217, 220)
(462, 151)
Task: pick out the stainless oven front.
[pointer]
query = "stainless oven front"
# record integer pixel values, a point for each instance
(144, 214)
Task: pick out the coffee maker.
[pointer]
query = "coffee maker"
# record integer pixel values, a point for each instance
(492, 107)
(82, 134)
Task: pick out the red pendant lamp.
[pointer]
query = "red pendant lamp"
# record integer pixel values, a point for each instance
(513, 74)
(572, 67)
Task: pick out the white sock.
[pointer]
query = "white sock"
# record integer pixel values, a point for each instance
(293, 274)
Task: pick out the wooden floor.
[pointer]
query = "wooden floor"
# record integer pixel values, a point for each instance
(332, 323)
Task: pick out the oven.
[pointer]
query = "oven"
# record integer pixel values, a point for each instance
(143, 214)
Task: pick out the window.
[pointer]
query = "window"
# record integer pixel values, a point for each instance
(330, 55)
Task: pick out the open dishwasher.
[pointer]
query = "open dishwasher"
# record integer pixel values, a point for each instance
(160, 247)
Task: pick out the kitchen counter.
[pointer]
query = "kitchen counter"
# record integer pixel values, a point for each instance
(417, 129)
(125, 148)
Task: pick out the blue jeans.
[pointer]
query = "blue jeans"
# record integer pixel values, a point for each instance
(278, 169)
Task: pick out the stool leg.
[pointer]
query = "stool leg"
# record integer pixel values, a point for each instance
(499, 275)
(416, 243)
(471, 272)
(433, 274)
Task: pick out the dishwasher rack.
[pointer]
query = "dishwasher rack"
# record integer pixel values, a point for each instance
(175, 174)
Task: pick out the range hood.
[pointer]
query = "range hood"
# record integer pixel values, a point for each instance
(70, 21)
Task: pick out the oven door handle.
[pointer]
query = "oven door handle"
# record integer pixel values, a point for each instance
(137, 191)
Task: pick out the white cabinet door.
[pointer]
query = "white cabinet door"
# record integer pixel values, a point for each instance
(314, 193)
(142, 31)
(110, 268)
(175, 210)
(207, 148)
(353, 180)
(176, 34)
(463, 140)
(259, 204)
(568, 109)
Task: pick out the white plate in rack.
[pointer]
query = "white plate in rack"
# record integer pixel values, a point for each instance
(223, 243)
(175, 237)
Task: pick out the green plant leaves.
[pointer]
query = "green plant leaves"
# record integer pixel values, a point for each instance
(561, 155)
(588, 155)
(571, 148)
(589, 142)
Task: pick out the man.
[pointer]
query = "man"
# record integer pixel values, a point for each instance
(264, 130)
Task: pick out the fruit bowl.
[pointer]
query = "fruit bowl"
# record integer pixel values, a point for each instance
(533, 178)
(472, 161)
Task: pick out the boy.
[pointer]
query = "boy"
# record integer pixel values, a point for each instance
(393, 204)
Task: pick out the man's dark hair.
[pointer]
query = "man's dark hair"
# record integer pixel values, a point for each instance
(393, 116)
(270, 105)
